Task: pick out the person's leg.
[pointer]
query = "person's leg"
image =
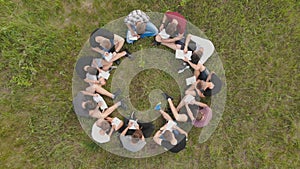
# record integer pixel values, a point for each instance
(191, 91)
(109, 110)
(178, 117)
(181, 104)
(106, 65)
(165, 115)
(170, 45)
(151, 30)
(118, 56)
(102, 91)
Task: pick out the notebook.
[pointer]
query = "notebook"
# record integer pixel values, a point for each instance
(180, 54)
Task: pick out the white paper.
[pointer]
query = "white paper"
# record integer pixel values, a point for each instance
(133, 125)
(170, 124)
(180, 54)
(104, 74)
(98, 99)
(189, 98)
(190, 80)
(109, 57)
(116, 121)
(163, 34)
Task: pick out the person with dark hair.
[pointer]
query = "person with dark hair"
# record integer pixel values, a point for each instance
(103, 128)
(108, 45)
(173, 26)
(208, 83)
(201, 49)
(170, 136)
(134, 142)
(139, 26)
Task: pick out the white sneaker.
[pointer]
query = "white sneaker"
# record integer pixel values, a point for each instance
(182, 70)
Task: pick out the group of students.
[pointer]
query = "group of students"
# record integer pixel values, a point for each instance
(93, 70)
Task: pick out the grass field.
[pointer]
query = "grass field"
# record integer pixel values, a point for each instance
(257, 41)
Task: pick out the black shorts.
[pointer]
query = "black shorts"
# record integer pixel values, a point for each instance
(204, 74)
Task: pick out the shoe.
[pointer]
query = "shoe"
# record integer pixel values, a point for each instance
(155, 43)
(132, 116)
(158, 106)
(118, 61)
(112, 67)
(123, 105)
(167, 96)
(183, 69)
(116, 93)
(128, 54)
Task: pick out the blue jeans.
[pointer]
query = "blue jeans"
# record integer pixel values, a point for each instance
(151, 30)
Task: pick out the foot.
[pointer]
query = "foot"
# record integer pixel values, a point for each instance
(112, 67)
(123, 105)
(116, 93)
(183, 69)
(118, 61)
(128, 54)
(132, 116)
(166, 96)
(158, 106)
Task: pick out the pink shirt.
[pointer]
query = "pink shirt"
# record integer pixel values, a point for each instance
(207, 117)
(181, 20)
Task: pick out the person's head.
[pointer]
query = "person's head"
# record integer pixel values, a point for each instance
(199, 116)
(104, 125)
(105, 43)
(171, 28)
(89, 105)
(195, 58)
(92, 70)
(199, 52)
(102, 81)
(140, 28)
(168, 135)
(136, 136)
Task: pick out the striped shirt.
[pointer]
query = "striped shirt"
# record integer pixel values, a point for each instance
(136, 16)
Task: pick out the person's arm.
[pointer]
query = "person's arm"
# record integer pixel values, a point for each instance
(187, 41)
(171, 40)
(126, 129)
(119, 42)
(91, 81)
(89, 94)
(119, 126)
(98, 50)
(130, 29)
(162, 25)
(200, 104)
(156, 137)
(181, 130)
(189, 112)
(194, 66)
(112, 130)
(209, 76)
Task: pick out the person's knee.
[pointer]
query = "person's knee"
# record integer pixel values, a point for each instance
(181, 118)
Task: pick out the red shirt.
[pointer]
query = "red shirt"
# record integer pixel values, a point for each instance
(181, 20)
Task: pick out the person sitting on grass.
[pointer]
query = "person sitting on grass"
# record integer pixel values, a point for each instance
(208, 83)
(108, 45)
(139, 26)
(98, 89)
(134, 142)
(170, 136)
(174, 27)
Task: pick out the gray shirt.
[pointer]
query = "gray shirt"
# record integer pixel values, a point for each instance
(127, 144)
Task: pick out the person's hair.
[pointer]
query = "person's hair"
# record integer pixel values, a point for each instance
(199, 53)
(168, 135)
(199, 86)
(104, 125)
(141, 28)
(106, 43)
(199, 115)
(136, 136)
(92, 70)
(90, 105)
(171, 29)
(195, 58)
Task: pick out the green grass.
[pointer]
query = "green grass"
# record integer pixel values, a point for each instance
(257, 41)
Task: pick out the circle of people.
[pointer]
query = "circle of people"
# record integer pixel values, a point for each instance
(193, 50)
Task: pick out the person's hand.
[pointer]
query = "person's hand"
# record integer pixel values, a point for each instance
(130, 124)
(100, 104)
(96, 95)
(137, 126)
(114, 54)
(185, 50)
(185, 59)
(161, 27)
(106, 54)
(113, 127)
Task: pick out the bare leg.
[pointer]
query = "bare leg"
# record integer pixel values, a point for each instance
(178, 117)
(170, 45)
(165, 115)
(106, 65)
(118, 56)
(109, 110)
(102, 91)
(181, 104)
